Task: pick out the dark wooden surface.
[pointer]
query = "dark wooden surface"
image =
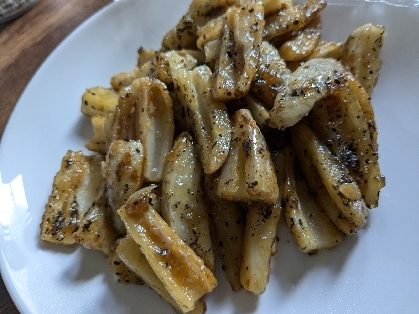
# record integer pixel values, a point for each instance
(24, 44)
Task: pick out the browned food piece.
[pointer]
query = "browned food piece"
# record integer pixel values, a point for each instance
(182, 272)
(248, 174)
(271, 73)
(237, 62)
(123, 171)
(155, 124)
(342, 188)
(77, 185)
(361, 54)
(184, 34)
(98, 101)
(302, 43)
(310, 227)
(129, 253)
(311, 82)
(96, 229)
(206, 118)
(183, 204)
(318, 193)
(229, 221)
(292, 19)
(340, 122)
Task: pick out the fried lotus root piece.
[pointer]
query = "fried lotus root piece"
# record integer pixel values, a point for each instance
(184, 34)
(183, 205)
(302, 43)
(183, 273)
(310, 227)
(169, 62)
(361, 54)
(309, 83)
(96, 229)
(129, 253)
(340, 122)
(341, 186)
(210, 31)
(77, 185)
(248, 174)
(319, 194)
(229, 222)
(271, 74)
(260, 236)
(240, 48)
(207, 119)
(155, 124)
(98, 101)
(292, 19)
(123, 171)
(121, 124)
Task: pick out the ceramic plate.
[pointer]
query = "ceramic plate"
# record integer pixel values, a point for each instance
(374, 271)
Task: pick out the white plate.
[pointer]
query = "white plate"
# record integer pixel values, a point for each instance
(374, 271)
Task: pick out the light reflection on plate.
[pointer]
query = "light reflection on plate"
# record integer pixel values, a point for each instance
(373, 271)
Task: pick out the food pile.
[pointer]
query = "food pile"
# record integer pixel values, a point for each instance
(245, 115)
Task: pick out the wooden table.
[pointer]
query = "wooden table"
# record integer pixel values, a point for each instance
(24, 44)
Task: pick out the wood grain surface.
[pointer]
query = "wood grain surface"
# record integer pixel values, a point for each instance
(24, 44)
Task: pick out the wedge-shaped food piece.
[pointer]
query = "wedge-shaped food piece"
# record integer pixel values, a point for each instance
(123, 171)
(171, 61)
(361, 54)
(240, 47)
(260, 236)
(341, 186)
(339, 121)
(184, 34)
(271, 73)
(121, 125)
(365, 102)
(76, 186)
(258, 246)
(309, 83)
(207, 119)
(183, 205)
(130, 254)
(121, 272)
(183, 273)
(98, 142)
(302, 43)
(98, 101)
(210, 31)
(311, 229)
(292, 19)
(248, 174)
(228, 221)
(319, 194)
(155, 124)
(96, 230)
